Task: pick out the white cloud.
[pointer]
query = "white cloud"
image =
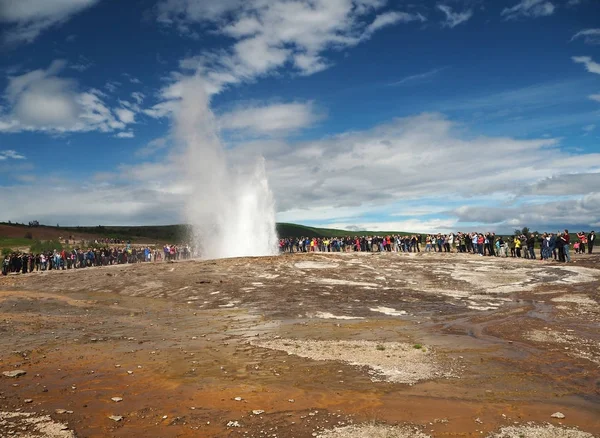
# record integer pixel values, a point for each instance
(370, 167)
(595, 97)
(589, 128)
(389, 18)
(12, 154)
(270, 35)
(529, 8)
(126, 116)
(112, 86)
(336, 180)
(82, 64)
(545, 216)
(418, 77)
(588, 62)
(275, 119)
(409, 225)
(138, 97)
(41, 100)
(153, 147)
(454, 18)
(126, 134)
(27, 19)
(590, 36)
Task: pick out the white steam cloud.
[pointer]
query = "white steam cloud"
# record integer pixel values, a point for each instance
(231, 209)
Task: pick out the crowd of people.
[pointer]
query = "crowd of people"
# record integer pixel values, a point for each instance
(551, 246)
(27, 262)
(554, 246)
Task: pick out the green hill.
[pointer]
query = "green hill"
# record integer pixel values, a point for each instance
(294, 230)
(14, 234)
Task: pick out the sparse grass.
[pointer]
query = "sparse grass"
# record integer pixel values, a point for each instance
(417, 346)
(13, 242)
(380, 347)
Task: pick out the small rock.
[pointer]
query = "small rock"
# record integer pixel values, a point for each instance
(60, 411)
(258, 412)
(558, 415)
(233, 424)
(16, 373)
(116, 417)
(116, 399)
(238, 399)
(28, 400)
(129, 372)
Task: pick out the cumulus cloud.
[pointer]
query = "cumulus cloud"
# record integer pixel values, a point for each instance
(25, 20)
(545, 216)
(274, 119)
(590, 36)
(340, 180)
(588, 62)
(42, 100)
(386, 163)
(529, 8)
(266, 36)
(595, 97)
(138, 97)
(125, 115)
(455, 18)
(269, 35)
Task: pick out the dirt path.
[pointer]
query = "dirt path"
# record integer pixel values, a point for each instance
(459, 346)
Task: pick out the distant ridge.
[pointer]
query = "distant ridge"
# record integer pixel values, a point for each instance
(153, 233)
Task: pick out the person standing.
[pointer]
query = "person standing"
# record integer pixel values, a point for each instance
(591, 241)
(531, 246)
(567, 241)
(582, 242)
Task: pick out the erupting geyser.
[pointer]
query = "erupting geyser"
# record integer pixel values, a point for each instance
(230, 208)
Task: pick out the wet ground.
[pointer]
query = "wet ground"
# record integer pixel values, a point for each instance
(456, 345)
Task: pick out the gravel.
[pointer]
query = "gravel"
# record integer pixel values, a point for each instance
(32, 425)
(539, 431)
(373, 431)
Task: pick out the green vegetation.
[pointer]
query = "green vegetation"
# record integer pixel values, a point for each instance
(380, 347)
(417, 346)
(13, 242)
(37, 246)
(159, 233)
(293, 230)
(179, 233)
(6, 251)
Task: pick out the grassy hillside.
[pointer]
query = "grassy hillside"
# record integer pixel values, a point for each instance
(19, 235)
(294, 230)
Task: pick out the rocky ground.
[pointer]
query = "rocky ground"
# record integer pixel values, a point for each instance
(321, 345)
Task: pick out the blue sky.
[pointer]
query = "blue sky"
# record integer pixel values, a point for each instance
(432, 115)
